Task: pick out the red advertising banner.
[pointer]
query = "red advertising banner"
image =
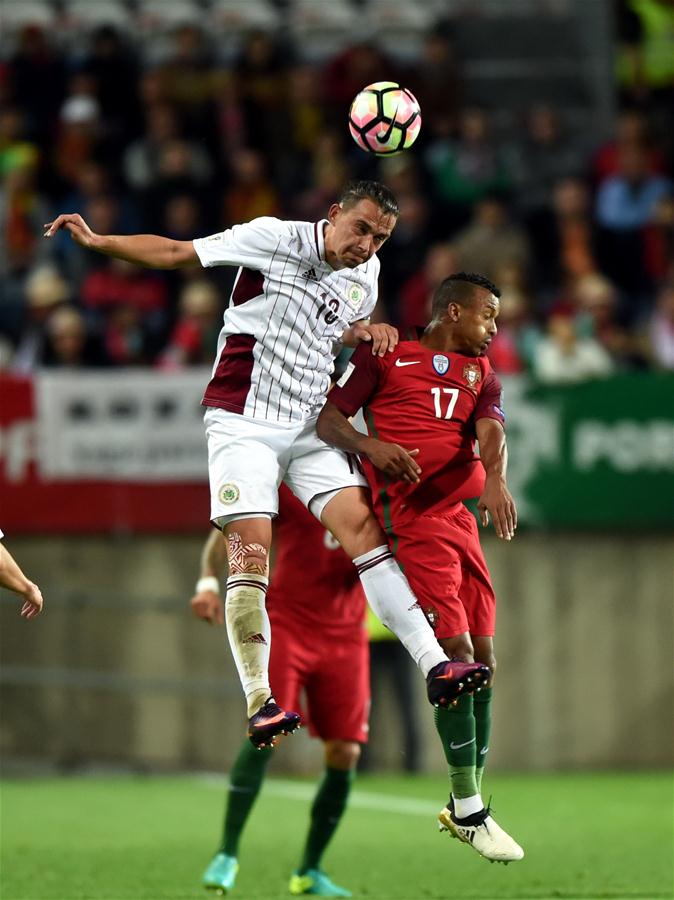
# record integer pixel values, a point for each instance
(41, 455)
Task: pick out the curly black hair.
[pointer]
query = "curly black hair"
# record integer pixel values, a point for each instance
(460, 288)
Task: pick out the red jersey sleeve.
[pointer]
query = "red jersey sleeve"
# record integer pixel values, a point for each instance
(489, 402)
(359, 381)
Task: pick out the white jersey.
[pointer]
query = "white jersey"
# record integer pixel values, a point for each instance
(287, 312)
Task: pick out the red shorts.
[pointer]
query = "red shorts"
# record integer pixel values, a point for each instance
(333, 675)
(443, 561)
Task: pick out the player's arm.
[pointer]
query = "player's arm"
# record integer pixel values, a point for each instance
(496, 500)
(149, 250)
(383, 337)
(334, 428)
(207, 603)
(13, 578)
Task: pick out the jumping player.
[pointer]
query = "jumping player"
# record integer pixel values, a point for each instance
(316, 608)
(424, 405)
(302, 289)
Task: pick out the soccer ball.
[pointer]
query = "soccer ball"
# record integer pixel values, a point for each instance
(384, 118)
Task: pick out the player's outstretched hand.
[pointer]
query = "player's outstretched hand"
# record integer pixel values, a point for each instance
(382, 336)
(209, 607)
(496, 501)
(33, 601)
(394, 461)
(75, 225)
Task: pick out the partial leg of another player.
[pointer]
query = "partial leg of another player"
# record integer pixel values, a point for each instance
(348, 516)
(245, 781)
(464, 731)
(248, 628)
(341, 758)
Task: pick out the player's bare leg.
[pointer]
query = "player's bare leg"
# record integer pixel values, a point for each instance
(349, 517)
(465, 745)
(248, 542)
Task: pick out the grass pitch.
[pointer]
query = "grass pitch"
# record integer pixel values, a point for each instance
(586, 837)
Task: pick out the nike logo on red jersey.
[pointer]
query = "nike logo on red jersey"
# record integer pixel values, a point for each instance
(400, 363)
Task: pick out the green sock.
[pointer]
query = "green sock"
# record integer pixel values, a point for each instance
(456, 727)
(327, 810)
(482, 711)
(245, 781)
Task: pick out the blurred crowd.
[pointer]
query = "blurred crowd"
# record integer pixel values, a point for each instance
(576, 228)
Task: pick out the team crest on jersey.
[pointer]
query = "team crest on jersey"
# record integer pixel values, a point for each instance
(228, 493)
(441, 363)
(472, 375)
(354, 296)
(431, 614)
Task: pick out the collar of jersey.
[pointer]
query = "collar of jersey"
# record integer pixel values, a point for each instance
(319, 233)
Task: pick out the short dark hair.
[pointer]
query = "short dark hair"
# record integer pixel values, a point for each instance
(460, 288)
(370, 190)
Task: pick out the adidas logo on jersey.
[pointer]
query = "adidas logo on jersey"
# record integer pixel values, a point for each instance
(256, 639)
(310, 274)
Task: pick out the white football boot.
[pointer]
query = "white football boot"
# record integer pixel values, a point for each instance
(483, 834)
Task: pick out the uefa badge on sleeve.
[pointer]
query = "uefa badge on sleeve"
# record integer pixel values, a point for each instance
(228, 493)
(441, 363)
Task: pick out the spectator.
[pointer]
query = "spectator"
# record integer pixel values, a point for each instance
(251, 192)
(660, 331)
(404, 252)
(45, 291)
(130, 308)
(142, 159)
(437, 83)
(562, 357)
(80, 129)
(491, 240)
(632, 128)
(197, 329)
(417, 292)
(545, 155)
(261, 80)
(513, 349)
(598, 316)
(68, 345)
(469, 168)
(563, 237)
(36, 81)
(626, 204)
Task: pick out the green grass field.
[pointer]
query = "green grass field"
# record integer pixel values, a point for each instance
(586, 836)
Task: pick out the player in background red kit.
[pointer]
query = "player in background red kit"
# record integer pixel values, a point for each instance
(424, 405)
(320, 648)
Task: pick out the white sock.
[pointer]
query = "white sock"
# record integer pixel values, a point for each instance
(249, 634)
(394, 604)
(467, 806)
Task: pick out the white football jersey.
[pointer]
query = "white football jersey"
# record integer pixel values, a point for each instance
(287, 312)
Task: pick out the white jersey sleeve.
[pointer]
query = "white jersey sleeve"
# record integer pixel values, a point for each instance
(251, 244)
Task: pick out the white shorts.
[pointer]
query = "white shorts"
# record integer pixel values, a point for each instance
(249, 458)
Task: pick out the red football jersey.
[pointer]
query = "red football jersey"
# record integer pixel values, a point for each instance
(314, 585)
(420, 398)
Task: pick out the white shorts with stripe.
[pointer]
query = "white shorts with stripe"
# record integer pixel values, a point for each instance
(249, 458)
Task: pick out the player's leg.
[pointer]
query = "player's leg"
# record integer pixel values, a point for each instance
(338, 698)
(286, 667)
(341, 759)
(334, 489)
(484, 652)
(244, 466)
(476, 827)
(348, 516)
(245, 781)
